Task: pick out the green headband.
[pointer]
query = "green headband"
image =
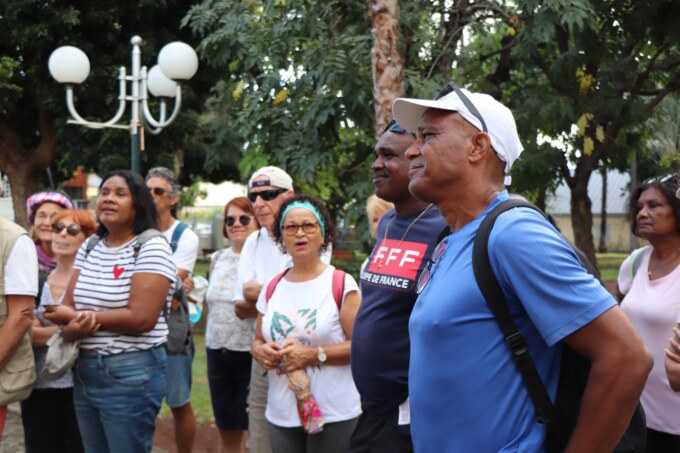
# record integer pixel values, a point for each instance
(305, 205)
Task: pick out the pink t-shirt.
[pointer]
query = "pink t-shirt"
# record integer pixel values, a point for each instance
(653, 307)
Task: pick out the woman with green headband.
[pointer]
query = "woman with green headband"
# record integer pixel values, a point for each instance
(303, 337)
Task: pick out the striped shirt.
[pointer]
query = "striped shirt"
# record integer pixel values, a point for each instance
(104, 284)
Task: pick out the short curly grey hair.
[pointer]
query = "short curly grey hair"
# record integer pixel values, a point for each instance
(168, 175)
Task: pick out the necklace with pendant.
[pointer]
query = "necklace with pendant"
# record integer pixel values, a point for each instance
(381, 262)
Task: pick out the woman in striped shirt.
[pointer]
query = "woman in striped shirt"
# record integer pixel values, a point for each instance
(117, 295)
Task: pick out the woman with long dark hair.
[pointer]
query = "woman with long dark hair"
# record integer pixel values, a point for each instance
(117, 296)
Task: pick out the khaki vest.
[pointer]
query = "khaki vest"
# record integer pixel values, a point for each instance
(16, 379)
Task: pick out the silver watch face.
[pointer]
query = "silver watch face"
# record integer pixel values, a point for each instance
(322, 355)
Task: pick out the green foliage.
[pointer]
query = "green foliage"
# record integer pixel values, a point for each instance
(294, 91)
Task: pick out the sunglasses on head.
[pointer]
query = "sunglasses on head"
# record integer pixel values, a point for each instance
(158, 191)
(266, 195)
(466, 101)
(243, 219)
(72, 229)
(671, 178)
(393, 126)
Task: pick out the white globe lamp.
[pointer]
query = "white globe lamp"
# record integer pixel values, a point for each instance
(159, 85)
(178, 61)
(69, 64)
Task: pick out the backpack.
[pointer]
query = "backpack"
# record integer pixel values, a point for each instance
(338, 286)
(179, 326)
(561, 416)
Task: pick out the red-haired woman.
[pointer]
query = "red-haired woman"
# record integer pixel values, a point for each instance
(228, 338)
(48, 415)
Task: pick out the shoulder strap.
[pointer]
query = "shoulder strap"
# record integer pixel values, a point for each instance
(636, 260)
(91, 244)
(176, 235)
(272, 285)
(491, 289)
(144, 237)
(338, 286)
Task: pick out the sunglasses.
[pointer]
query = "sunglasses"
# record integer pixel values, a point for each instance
(230, 220)
(466, 101)
(393, 126)
(158, 191)
(266, 195)
(72, 229)
(431, 267)
(671, 178)
(291, 229)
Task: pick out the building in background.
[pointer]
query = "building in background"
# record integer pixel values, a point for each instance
(618, 237)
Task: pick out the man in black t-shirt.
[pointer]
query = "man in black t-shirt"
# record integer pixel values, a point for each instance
(380, 341)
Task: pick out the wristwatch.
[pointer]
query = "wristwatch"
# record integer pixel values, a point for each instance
(321, 356)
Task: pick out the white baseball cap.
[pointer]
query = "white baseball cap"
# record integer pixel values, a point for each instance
(500, 123)
(275, 177)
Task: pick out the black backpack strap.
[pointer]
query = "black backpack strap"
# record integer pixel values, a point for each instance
(491, 289)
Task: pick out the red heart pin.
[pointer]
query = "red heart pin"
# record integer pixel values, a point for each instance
(117, 271)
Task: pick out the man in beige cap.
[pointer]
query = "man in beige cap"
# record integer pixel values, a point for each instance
(261, 259)
(466, 393)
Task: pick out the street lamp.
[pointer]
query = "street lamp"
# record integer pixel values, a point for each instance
(177, 62)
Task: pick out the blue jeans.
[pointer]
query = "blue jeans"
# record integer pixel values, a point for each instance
(117, 399)
(178, 379)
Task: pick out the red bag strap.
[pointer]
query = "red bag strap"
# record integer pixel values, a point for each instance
(338, 287)
(272, 285)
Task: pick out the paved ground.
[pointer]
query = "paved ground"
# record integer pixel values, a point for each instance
(13, 437)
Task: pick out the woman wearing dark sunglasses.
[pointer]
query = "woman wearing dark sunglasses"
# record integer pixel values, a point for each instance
(649, 293)
(228, 338)
(48, 415)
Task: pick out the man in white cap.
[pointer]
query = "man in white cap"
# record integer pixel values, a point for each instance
(466, 392)
(261, 259)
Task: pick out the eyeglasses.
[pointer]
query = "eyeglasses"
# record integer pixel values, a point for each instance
(266, 195)
(466, 101)
(431, 267)
(230, 220)
(393, 126)
(72, 229)
(158, 191)
(291, 229)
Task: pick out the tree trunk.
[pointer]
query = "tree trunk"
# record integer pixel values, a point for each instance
(582, 215)
(386, 60)
(602, 247)
(23, 166)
